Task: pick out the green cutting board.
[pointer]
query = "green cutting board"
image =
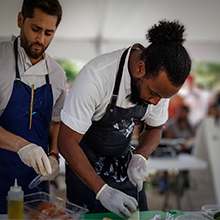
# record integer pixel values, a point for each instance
(143, 215)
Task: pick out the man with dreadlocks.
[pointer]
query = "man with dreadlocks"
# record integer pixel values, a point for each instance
(111, 94)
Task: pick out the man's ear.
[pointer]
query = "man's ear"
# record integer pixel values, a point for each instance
(140, 69)
(20, 19)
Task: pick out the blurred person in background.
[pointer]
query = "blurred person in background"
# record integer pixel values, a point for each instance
(180, 128)
(32, 94)
(215, 102)
(197, 100)
(214, 112)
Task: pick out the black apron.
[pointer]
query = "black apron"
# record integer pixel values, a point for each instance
(107, 147)
(16, 119)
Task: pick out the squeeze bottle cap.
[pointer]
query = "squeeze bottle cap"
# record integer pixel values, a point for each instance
(15, 188)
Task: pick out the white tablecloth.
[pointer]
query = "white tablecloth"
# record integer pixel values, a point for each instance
(180, 162)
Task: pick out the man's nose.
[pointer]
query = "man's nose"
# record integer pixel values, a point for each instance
(154, 100)
(40, 37)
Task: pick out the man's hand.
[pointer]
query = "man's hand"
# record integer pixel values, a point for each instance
(137, 170)
(34, 156)
(55, 170)
(117, 201)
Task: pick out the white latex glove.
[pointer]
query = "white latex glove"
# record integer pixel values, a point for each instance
(34, 156)
(55, 170)
(117, 201)
(137, 170)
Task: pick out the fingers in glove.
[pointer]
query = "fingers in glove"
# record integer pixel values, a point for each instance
(128, 207)
(46, 162)
(137, 183)
(51, 176)
(137, 171)
(43, 163)
(131, 203)
(35, 166)
(41, 166)
(55, 170)
(122, 212)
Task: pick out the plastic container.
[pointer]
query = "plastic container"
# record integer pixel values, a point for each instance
(35, 182)
(210, 210)
(190, 217)
(15, 200)
(41, 206)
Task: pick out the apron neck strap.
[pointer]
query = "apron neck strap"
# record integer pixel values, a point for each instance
(18, 84)
(47, 77)
(118, 80)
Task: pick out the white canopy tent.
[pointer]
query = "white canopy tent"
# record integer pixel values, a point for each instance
(91, 27)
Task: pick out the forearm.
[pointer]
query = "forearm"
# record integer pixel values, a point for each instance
(29, 153)
(68, 145)
(80, 165)
(53, 136)
(10, 141)
(149, 140)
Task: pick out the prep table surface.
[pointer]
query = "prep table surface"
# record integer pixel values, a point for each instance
(143, 215)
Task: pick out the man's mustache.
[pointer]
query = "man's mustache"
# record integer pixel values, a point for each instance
(37, 44)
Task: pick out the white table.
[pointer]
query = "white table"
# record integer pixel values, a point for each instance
(182, 162)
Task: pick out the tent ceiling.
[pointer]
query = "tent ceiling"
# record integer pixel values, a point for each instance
(91, 27)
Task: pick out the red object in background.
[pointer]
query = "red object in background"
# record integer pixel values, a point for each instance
(175, 102)
(190, 79)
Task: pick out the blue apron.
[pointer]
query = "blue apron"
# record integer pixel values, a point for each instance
(107, 147)
(16, 119)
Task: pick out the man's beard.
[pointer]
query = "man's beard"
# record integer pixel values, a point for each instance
(135, 92)
(29, 48)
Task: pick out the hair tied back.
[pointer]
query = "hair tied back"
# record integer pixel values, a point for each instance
(166, 32)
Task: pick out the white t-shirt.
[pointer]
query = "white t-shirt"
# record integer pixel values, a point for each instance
(92, 90)
(30, 75)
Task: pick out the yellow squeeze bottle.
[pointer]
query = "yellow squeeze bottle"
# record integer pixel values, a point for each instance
(15, 202)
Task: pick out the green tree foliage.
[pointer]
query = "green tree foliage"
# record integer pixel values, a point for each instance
(206, 73)
(70, 67)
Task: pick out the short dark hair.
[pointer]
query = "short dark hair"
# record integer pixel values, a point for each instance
(51, 7)
(166, 52)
